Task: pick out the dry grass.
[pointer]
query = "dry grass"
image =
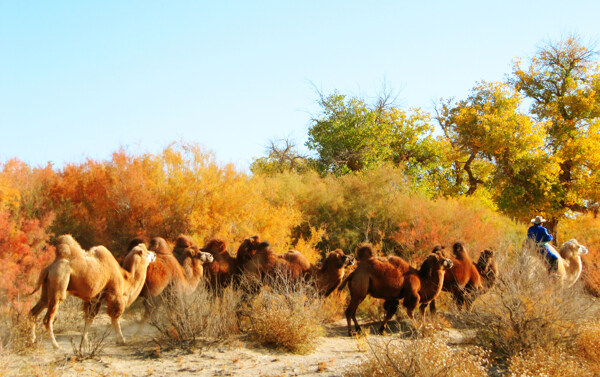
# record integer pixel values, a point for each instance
(528, 308)
(420, 357)
(15, 331)
(188, 321)
(287, 315)
(333, 306)
(549, 362)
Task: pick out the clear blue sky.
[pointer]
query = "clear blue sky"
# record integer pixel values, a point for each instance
(81, 79)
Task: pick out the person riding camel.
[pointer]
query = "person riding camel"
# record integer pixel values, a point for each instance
(538, 234)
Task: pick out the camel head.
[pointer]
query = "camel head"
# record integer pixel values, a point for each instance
(572, 248)
(198, 254)
(364, 252)
(433, 263)
(142, 252)
(487, 266)
(338, 259)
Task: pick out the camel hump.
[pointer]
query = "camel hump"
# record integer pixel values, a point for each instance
(136, 241)
(460, 252)
(364, 252)
(159, 246)
(184, 241)
(68, 248)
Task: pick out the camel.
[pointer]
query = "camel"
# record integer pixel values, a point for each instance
(328, 276)
(569, 262)
(467, 279)
(167, 271)
(92, 276)
(385, 279)
(221, 271)
(265, 264)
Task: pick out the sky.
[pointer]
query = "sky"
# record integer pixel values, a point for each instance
(82, 79)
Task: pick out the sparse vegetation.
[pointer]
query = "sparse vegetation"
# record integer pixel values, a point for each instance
(191, 320)
(422, 357)
(529, 308)
(286, 315)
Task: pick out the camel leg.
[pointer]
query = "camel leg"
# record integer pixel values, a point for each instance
(410, 303)
(351, 315)
(117, 326)
(36, 310)
(53, 305)
(56, 280)
(391, 307)
(90, 311)
(114, 308)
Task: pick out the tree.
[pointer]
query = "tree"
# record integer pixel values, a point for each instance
(282, 156)
(563, 83)
(351, 136)
(491, 141)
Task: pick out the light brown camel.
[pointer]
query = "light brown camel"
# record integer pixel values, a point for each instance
(92, 276)
(569, 263)
(167, 272)
(330, 273)
(382, 278)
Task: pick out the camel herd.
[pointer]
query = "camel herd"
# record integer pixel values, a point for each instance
(151, 267)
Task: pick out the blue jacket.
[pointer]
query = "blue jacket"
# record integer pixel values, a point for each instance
(539, 234)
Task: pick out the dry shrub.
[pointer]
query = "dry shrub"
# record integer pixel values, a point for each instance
(90, 349)
(420, 357)
(15, 331)
(191, 320)
(549, 362)
(587, 344)
(286, 315)
(5, 359)
(333, 306)
(529, 308)
(70, 316)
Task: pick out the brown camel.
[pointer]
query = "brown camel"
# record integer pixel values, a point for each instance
(466, 280)
(382, 278)
(247, 250)
(92, 276)
(329, 275)
(265, 264)
(221, 271)
(166, 271)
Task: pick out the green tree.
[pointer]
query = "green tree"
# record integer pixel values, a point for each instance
(350, 135)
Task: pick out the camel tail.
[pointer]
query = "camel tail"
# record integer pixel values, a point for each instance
(40, 280)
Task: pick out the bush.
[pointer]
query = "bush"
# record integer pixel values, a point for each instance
(420, 357)
(528, 308)
(549, 362)
(190, 320)
(286, 315)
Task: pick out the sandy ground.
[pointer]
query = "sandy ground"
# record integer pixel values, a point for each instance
(334, 354)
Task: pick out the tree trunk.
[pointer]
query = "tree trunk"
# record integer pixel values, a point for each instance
(552, 226)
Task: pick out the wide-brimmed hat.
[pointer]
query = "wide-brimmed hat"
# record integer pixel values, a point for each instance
(538, 220)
